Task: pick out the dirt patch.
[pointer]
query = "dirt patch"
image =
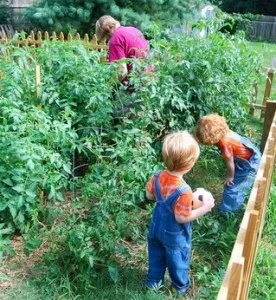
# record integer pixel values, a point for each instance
(19, 267)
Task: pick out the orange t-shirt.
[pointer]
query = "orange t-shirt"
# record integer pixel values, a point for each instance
(168, 184)
(230, 147)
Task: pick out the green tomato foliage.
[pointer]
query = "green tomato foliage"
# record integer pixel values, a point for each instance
(42, 147)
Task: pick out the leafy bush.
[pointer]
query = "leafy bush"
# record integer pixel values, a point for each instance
(233, 23)
(32, 161)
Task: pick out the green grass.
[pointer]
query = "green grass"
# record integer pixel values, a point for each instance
(266, 52)
(263, 280)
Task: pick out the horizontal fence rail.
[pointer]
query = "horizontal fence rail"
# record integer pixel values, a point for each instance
(239, 271)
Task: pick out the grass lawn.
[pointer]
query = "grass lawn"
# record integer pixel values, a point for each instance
(264, 274)
(267, 51)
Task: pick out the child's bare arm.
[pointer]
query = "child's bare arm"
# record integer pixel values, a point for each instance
(230, 171)
(150, 196)
(207, 205)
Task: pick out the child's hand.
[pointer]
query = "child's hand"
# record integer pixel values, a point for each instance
(228, 181)
(208, 202)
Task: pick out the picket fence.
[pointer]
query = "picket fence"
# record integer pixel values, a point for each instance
(238, 274)
(36, 39)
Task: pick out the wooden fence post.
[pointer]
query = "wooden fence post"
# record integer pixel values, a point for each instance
(61, 37)
(4, 38)
(267, 88)
(235, 280)
(39, 39)
(250, 244)
(86, 38)
(260, 194)
(46, 36)
(54, 36)
(31, 38)
(69, 37)
(269, 115)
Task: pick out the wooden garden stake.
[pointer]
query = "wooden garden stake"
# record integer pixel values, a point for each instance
(37, 81)
(255, 95)
(267, 88)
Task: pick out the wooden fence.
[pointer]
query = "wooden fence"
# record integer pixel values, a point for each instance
(264, 28)
(269, 81)
(36, 39)
(238, 275)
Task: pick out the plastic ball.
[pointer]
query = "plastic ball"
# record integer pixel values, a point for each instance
(198, 195)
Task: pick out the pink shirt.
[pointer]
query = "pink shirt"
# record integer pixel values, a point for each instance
(127, 42)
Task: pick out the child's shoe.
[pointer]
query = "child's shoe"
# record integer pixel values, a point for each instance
(176, 294)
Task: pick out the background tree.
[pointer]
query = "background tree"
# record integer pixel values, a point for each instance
(5, 12)
(81, 15)
(261, 7)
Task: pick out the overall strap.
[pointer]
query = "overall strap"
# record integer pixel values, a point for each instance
(157, 187)
(173, 196)
(244, 140)
(178, 192)
(233, 136)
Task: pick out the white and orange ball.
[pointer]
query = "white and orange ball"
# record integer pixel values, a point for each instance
(198, 195)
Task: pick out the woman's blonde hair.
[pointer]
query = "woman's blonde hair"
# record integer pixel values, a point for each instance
(105, 27)
(210, 129)
(180, 151)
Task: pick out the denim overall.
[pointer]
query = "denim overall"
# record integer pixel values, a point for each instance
(245, 172)
(169, 243)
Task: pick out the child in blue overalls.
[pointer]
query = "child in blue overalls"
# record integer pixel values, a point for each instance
(242, 159)
(169, 236)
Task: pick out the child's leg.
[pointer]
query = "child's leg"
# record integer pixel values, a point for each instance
(234, 196)
(178, 261)
(157, 264)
